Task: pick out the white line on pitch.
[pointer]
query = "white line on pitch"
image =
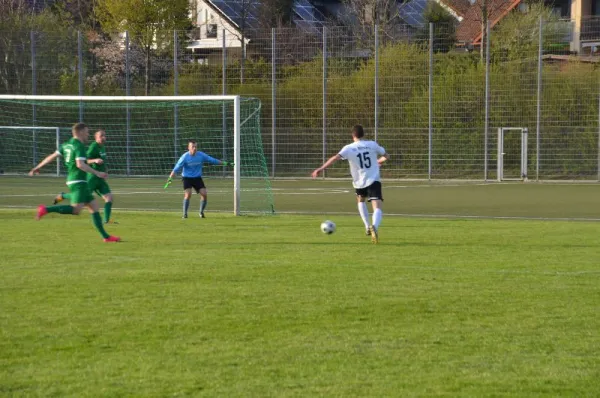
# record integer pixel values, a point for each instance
(311, 213)
(319, 192)
(474, 217)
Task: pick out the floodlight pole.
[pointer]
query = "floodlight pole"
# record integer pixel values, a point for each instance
(487, 99)
(273, 103)
(33, 92)
(127, 110)
(224, 92)
(324, 96)
(538, 121)
(175, 92)
(376, 82)
(430, 121)
(80, 71)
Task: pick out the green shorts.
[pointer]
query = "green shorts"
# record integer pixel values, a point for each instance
(98, 185)
(80, 193)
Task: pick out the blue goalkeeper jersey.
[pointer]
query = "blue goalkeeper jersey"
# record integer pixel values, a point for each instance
(192, 164)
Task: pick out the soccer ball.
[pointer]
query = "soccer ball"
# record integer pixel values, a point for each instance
(328, 227)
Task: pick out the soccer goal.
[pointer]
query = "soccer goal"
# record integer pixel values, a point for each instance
(33, 142)
(146, 136)
(512, 153)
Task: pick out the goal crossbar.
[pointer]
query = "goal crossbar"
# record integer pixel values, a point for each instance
(119, 98)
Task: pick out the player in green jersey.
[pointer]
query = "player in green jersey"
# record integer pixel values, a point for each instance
(96, 158)
(74, 155)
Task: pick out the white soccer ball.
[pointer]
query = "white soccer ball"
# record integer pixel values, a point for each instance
(328, 227)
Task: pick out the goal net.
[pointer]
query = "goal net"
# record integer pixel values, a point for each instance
(146, 136)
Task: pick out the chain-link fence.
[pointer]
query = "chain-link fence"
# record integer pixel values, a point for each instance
(437, 109)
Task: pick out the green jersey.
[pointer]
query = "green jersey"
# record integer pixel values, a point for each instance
(96, 151)
(71, 151)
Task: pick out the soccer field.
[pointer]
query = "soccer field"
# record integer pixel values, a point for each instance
(475, 290)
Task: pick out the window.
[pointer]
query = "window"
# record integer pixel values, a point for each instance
(211, 31)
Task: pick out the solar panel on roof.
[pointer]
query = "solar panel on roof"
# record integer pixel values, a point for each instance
(412, 12)
(247, 12)
(240, 12)
(302, 3)
(305, 13)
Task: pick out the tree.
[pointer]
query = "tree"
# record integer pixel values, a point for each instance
(245, 9)
(486, 9)
(80, 13)
(444, 29)
(19, 21)
(516, 37)
(363, 15)
(275, 13)
(146, 21)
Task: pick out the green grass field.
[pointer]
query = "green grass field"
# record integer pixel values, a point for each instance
(477, 290)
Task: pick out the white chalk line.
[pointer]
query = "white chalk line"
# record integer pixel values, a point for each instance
(311, 191)
(277, 191)
(315, 213)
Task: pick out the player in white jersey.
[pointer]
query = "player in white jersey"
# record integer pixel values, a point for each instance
(364, 167)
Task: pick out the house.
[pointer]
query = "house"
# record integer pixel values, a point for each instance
(584, 14)
(228, 23)
(242, 18)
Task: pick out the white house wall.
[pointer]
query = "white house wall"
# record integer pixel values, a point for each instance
(207, 15)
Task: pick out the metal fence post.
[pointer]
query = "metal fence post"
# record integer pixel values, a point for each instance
(33, 92)
(376, 121)
(128, 110)
(599, 130)
(430, 121)
(80, 72)
(487, 99)
(224, 92)
(175, 93)
(324, 95)
(273, 102)
(538, 120)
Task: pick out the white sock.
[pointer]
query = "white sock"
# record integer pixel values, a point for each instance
(377, 216)
(364, 213)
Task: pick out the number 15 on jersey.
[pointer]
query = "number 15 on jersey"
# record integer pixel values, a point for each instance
(364, 159)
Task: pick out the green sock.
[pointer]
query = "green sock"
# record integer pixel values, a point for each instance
(62, 209)
(98, 224)
(107, 209)
(66, 196)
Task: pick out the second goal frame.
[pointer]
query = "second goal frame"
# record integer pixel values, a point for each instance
(501, 152)
(33, 129)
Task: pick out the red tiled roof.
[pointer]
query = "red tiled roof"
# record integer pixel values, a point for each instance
(469, 29)
(461, 7)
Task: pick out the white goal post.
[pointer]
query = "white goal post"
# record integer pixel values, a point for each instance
(37, 100)
(34, 130)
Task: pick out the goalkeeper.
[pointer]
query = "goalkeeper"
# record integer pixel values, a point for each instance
(191, 162)
(96, 158)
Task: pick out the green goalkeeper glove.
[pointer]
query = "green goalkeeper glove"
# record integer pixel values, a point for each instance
(228, 163)
(169, 181)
